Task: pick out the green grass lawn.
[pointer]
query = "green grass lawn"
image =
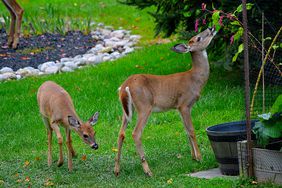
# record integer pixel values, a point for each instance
(80, 13)
(23, 139)
(23, 135)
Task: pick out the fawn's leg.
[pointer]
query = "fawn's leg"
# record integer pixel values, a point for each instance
(71, 152)
(56, 128)
(120, 142)
(49, 136)
(186, 116)
(136, 134)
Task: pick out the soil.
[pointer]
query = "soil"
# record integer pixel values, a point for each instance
(39, 49)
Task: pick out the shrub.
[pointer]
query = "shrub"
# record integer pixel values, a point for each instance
(185, 17)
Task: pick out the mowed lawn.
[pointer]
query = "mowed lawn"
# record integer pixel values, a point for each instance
(23, 138)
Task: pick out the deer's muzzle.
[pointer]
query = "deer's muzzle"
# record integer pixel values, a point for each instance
(94, 146)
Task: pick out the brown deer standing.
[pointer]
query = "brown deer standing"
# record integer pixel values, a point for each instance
(151, 93)
(56, 108)
(16, 16)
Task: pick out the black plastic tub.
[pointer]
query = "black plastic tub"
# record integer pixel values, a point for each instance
(223, 139)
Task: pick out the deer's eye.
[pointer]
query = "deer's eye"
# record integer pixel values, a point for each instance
(198, 39)
(85, 136)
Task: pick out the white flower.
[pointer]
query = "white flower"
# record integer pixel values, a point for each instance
(265, 116)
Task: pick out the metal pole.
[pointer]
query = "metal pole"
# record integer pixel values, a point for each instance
(262, 58)
(247, 88)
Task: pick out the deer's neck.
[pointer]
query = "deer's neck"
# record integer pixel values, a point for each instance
(200, 66)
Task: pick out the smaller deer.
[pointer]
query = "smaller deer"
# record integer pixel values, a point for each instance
(56, 107)
(16, 13)
(148, 93)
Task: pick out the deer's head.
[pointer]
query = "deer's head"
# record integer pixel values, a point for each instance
(85, 130)
(197, 43)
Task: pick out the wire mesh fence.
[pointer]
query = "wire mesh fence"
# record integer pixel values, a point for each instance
(270, 83)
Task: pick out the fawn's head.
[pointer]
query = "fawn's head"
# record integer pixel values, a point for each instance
(85, 130)
(197, 43)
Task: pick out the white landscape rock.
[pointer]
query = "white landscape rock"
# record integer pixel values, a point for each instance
(66, 69)
(6, 69)
(44, 66)
(118, 34)
(70, 64)
(9, 76)
(106, 58)
(66, 59)
(27, 71)
(111, 44)
(128, 50)
(134, 38)
(52, 69)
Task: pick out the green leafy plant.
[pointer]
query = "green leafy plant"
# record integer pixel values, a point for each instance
(270, 124)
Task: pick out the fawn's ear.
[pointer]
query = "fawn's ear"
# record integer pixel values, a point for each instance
(93, 120)
(180, 48)
(73, 122)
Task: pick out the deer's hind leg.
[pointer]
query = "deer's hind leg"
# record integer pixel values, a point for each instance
(120, 142)
(12, 24)
(18, 11)
(137, 133)
(49, 136)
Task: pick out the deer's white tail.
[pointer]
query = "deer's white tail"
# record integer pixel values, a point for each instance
(127, 105)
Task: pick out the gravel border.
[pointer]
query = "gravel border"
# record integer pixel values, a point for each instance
(112, 45)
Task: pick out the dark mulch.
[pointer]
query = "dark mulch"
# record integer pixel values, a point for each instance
(35, 50)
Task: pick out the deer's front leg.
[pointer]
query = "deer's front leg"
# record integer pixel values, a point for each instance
(56, 128)
(69, 143)
(71, 152)
(120, 142)
(49, 137)
(137, 133)
(186, 117)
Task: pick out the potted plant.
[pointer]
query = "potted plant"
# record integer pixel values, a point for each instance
(267, 155)
(223, 138)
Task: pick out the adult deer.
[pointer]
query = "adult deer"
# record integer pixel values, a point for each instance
(148, 93)
(16, 16)
(56, 108)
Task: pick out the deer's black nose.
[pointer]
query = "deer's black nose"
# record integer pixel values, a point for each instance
(94, 146)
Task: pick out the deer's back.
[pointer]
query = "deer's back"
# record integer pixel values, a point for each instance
(53, 100)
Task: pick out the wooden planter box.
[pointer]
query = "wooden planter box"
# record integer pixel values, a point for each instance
(267, 165)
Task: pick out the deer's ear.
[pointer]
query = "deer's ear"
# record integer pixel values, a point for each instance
(73, 122)
(180, 48)
(93, 120)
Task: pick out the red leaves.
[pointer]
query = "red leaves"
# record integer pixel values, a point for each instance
(25, 58)
(220, 20)
(232, 39)
(83, 158)
(204, 6)
(196, 25)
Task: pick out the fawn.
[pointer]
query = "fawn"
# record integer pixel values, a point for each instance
(56, 108)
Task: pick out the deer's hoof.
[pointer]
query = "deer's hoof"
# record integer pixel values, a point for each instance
(116, 174)
(199, 158)
(10, 42)
(15, 46)
(116, 171)
(149, 173)
(60, 163)
(73, 154)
